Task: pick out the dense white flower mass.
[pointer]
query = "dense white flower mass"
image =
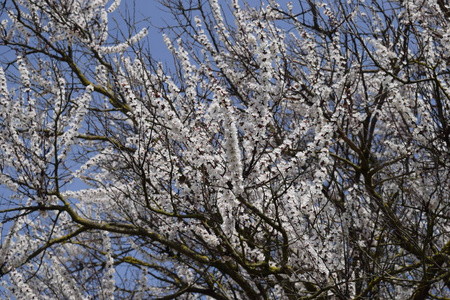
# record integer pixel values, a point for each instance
(291, 151)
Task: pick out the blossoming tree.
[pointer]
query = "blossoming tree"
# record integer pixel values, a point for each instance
(295, 151)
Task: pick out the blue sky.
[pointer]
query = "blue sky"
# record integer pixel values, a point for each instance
(157, 16)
